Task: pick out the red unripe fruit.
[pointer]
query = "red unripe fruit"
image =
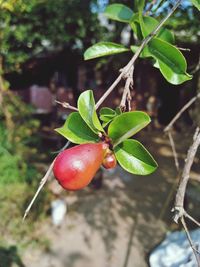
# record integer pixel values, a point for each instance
(109, 161)
(74, 168)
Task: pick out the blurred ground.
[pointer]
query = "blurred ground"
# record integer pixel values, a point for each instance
(118, 225)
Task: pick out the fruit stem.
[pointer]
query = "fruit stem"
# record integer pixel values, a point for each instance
(106, 139)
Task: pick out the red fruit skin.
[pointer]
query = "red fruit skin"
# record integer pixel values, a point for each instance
(74, 168)
(109, 161)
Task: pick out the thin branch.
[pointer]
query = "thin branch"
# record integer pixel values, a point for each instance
(180, 195)
(66, 105)
(110, 89)
(63, 148)
(126, 69)
(184, 49)
(129, 100)
(173, 150)
(192, 219)
(195, 251)
(184, 108)
(42, 183)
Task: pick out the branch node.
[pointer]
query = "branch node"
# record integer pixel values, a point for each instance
(179, 212)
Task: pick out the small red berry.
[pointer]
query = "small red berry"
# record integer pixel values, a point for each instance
(109, 161)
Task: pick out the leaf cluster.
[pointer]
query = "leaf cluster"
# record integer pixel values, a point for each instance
(161, 49)
(85, 126)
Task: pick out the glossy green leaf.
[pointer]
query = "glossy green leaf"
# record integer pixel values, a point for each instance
(126, 125)
(196, 3)
(76, 130)
(146, 25)
(86, 107)
(107, 114)
(107, 111)
(134, 158)
(118, 12)
(149, 24)
(170, 60)
(104, 49)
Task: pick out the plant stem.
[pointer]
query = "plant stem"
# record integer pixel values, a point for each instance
(180, 195)
(184, 108)
(66, 105)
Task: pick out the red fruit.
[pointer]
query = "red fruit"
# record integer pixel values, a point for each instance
(109, 161)
(74, 168)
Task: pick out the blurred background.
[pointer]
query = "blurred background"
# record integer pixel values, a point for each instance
(119, 218)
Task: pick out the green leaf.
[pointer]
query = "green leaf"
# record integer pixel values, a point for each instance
(104, 49)
(118, 12)
(76, 130)
(107, 111)
(170, 60)
(86, 107)
(107, 114)
(134, 158)
(196, 3)
(147, 25)
(126, 125)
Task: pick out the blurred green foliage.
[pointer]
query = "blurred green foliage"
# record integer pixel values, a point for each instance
(19, 177)
(17, 140)
(30, 27)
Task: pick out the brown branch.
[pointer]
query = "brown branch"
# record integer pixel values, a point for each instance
(63, 148)
(66, 105)
(129, 100)
(110, 89)
(42, 183)
(184, 108)
(192, 219)
(184, 49)
(125, 71)
(180, 195)
(195, 251)
(173, 150)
